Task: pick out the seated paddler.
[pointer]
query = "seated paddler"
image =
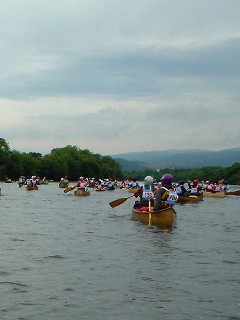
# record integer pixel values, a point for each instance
(165, 194)
(180, 188)
(146, 193)
(194, 189)
(81, 184)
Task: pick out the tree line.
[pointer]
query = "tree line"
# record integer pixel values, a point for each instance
(68, 161)
(211, 173)
(73, 162)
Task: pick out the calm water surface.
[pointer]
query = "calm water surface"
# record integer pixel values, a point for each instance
(68, 257)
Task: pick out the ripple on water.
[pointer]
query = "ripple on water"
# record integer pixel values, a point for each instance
(68, 257)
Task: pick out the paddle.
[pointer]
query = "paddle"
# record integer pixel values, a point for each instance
(149, 213)
(69, 189)
(119, 201)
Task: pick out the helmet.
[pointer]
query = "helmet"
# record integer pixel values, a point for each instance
(167, 178)
(195, 182)
(181, 182)
(148, 180)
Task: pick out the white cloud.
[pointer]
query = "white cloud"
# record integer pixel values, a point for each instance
(119, 76)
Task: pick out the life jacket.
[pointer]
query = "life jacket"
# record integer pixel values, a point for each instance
(81, 184)
(134, 185)
(164, 194)
(217, 187)
(209, 187)
(170, 196)
(29, 182)
(178, 190)
(146, 195)
(193, 190)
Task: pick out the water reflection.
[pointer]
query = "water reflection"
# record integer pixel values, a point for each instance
(68, 257)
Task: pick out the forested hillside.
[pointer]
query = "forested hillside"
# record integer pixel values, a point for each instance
(68, 161)
(73, 162)
(180, 158)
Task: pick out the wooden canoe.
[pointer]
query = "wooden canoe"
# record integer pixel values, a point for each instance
(29, 188)
(62, 185)
(233, 193)
(21, 184)
(190, 198)
(164, 218)
(81, 192)
(218, 194)
(133, 190)
(91, 185)
(44, 182)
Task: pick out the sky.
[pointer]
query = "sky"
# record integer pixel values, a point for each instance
(119, 76)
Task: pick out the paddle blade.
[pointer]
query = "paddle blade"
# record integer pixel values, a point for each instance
(117, 202)
(69, 189)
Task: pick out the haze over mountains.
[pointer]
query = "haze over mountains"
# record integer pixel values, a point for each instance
(195, 158)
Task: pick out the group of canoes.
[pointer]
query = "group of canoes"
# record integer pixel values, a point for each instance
(166, 216)
(87, 182)
(163, 218)
(31, 183)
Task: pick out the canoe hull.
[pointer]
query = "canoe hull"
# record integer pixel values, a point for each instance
(164, 218)
(81, 193)
(44, 182)
(63, 185)
(133, 190)
(30, 188)
(189, 198)
(219, 194)
(233, 193)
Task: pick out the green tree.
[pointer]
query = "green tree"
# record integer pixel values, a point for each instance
(31, 165)
(4, 158)
(14, 166)
(54, 167)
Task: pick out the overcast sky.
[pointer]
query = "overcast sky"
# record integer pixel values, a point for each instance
(116, 76)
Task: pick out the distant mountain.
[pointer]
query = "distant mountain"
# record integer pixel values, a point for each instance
(135, 165)
(192, 158)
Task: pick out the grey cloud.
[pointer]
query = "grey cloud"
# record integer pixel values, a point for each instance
(178, 63)
(134, 71)
(98, 125)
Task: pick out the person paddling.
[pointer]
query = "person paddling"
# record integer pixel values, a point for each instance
(165, 194)
(146, 192)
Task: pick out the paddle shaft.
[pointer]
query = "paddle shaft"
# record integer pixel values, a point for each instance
(119, 201)
(149, 213)
(69, 189)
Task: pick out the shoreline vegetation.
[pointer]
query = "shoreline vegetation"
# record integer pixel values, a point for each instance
(71, 161)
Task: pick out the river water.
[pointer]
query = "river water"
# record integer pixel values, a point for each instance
(68, 257)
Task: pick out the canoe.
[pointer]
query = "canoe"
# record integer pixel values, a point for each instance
(44, 182)
(218, 194)
(233, 193)
(110, 188)
(81, 192)
(91, 185)
(164, 218)
(29, 188)
(62, 185)
(133, 190)
(20, 184)
(100, 189)
(190, 198)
